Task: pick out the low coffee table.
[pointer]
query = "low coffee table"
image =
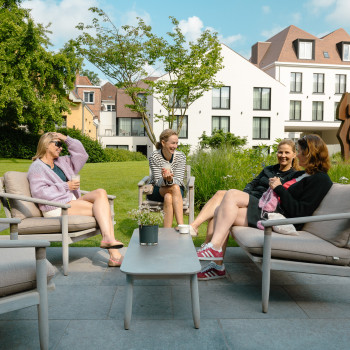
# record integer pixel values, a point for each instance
(173, 257)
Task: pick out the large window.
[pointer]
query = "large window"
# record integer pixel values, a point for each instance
(130, 127)
(296, 80)
(335, 110)
(295, 110)
(220, 123)
(262, 99)
(346, 52)
(184, 128)
(305, 50)
(221, 98)
(176, 101)
(317, 110)
(89, 96)
(261, 128)
(318, 84)
(340, 83)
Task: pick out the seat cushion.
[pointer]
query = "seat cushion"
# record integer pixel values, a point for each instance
(18, 270)
(336, 232)
(17, 183)
(305, 247)
(53, 225)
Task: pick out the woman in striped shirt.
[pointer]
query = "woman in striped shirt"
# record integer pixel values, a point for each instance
(167, 176)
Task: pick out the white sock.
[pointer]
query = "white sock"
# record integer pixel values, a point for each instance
(211, 246)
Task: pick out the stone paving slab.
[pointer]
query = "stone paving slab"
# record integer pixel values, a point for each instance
(86, 310)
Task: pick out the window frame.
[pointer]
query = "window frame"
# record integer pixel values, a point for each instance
(131, 128)
(221, 98)
(294, 110)
(220, 128)
(295, 82)
(261, 99)
(297, 48)
(175, 126)
(317, 84)
(92, 93)
(315, 118)
(338, 83)
(269, 128)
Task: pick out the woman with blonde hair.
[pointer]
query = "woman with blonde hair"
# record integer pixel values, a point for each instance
(167, 176)
(300, 198)
(50, 177)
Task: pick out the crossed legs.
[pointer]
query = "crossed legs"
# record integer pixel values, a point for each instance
(95, 203)
(173, 205)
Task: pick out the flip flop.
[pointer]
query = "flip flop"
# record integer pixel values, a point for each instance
(115, 263)
(111, 245)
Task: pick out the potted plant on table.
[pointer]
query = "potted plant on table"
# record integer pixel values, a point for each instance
(148, 222)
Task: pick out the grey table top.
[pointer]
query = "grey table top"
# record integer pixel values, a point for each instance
(175, 254)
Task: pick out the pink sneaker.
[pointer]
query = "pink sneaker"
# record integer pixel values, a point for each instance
(208, 253)
(211, 272)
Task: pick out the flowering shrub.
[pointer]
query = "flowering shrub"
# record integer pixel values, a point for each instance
(146, 216)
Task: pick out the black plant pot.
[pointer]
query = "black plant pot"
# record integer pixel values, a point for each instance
(148, 234)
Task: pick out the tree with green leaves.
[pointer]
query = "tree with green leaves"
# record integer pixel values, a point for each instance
(93, 77)
(33, 80)
(124, 54)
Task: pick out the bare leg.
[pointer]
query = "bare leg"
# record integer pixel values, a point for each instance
(173, 204)
(208, 210)
(95, 203)
(232, 211)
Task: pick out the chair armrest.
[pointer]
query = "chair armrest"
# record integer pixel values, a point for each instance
(305, 219)
(10, 221)
(109, 196)
(34, 200)
(23, 244)
(190, 182)
(144, 181)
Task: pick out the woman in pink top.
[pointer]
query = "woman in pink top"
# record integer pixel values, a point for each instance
(50, 178)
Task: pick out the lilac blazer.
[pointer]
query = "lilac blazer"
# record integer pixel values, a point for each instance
(45, 184)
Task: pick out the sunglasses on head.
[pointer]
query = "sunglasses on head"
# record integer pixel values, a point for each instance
(57, 143)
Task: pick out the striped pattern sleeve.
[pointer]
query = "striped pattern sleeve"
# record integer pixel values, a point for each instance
(178, 166)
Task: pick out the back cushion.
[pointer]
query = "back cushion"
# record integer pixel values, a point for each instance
(336, 232)
(17, 183)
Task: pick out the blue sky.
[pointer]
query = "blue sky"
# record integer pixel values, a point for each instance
(240, 24)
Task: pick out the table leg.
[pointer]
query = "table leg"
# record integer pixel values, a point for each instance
(128, 303)
(195, 300)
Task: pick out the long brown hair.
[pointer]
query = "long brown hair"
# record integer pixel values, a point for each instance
(316, 152)
(291, 143)
(164, 136)
(43, 143)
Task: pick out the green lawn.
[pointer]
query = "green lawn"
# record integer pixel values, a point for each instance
(119, 179)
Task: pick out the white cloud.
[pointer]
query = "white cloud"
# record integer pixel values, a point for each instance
(266, 9)
(340, 15)
(193, 27)
(271, 32)
(130, 18)
(63, 15)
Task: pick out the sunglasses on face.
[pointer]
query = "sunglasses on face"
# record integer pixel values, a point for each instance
(57, 143)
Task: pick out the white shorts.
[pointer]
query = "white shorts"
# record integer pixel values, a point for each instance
(55, 212)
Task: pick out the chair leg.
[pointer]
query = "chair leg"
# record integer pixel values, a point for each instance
(65, 244)
(266, 269)
(43, 313)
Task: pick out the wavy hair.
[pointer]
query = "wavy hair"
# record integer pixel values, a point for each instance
(316, 152)
(164, 136)
(43, 144)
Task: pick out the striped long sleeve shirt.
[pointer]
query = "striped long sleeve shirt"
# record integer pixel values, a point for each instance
(178, 165)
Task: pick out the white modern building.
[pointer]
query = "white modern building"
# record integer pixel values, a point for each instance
(316, 74)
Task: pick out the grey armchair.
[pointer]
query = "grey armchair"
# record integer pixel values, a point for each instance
(18, 203)
(24, 279)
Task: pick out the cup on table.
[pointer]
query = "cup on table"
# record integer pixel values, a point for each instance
(184, 228)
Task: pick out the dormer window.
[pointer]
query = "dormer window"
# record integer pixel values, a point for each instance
(344, 50)
(305, 49)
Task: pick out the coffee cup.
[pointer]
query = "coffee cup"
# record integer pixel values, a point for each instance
(184, 228)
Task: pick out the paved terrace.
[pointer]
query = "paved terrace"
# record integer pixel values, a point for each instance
(86, 310)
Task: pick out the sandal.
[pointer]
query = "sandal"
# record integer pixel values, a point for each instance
(111, 245)
(115, 263)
